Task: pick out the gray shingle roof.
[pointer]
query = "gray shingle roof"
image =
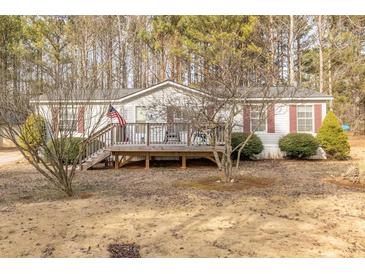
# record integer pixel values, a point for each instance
(88, 95)
(253, 92)
(284, 92)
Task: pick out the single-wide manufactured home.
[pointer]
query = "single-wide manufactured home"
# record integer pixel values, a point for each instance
(160, 132)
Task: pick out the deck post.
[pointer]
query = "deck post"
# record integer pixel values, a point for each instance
(148, 134)
(112, 136)
(189, 133)
(183, 161)
(116, 163)
(147, 161)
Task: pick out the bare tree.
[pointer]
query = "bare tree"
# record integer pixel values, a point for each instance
(68, 121)
(230, 63)
(216, 117)
(63, 110)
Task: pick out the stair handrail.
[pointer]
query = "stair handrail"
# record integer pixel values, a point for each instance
(99, 132)
(90, 147)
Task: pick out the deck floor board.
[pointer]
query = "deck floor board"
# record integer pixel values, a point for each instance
(164, 148)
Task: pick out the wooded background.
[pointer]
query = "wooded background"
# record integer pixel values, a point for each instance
(324, 53)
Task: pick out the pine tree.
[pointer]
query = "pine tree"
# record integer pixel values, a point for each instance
(332, 137)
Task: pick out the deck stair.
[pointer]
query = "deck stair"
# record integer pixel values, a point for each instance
(95, 159)
(96, 147)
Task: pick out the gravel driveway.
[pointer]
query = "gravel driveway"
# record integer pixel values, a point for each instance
(9, 155)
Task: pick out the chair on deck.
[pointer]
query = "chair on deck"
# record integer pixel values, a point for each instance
(200, 138)
(172, 137)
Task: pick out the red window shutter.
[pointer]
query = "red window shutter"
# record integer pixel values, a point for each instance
(81, 119)
(317, 116)
(293, 118)
(246, 119)
(271, 119)
(170, 115)
(55, 119)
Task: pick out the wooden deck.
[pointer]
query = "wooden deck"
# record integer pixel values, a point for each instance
(122, 144)
(123, 154)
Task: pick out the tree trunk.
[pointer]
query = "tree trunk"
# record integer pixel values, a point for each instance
(109, 50)
(299, 58)
(320, 40)
(227, 155)
(330, 80)
(272, 51)
(291, 52)
(95, 65)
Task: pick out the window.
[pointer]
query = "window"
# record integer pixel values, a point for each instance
(68, 118)
(258, 118)
(305, 118)
(141, 117)
(179, 116)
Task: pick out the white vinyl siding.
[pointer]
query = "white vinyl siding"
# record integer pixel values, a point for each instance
(271, 140)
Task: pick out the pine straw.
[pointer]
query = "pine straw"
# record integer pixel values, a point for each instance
(125, 250)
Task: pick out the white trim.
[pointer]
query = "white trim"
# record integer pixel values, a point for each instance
(165, 83)
(137, 93)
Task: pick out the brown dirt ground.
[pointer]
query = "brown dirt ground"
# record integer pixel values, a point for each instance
(276, 209)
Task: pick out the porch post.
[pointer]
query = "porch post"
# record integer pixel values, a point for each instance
(189, 132)
(116, 163)
(148, 134)
(147, 161)
(112, 137)
(183, 161)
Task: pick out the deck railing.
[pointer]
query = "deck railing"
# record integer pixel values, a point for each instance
(100, 140)
(167, 134)
(151, 134)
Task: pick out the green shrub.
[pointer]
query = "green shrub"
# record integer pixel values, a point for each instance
(67, 149)
(253, 147)
(33, 132)
(298, 145)
(332, 138)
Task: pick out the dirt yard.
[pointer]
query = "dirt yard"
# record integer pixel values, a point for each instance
(285, 209)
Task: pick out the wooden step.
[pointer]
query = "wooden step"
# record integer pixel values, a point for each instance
(95, 159)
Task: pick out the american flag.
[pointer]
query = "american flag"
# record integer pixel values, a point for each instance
(113, 113)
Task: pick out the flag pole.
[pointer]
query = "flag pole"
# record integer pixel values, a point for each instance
(111, 119)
